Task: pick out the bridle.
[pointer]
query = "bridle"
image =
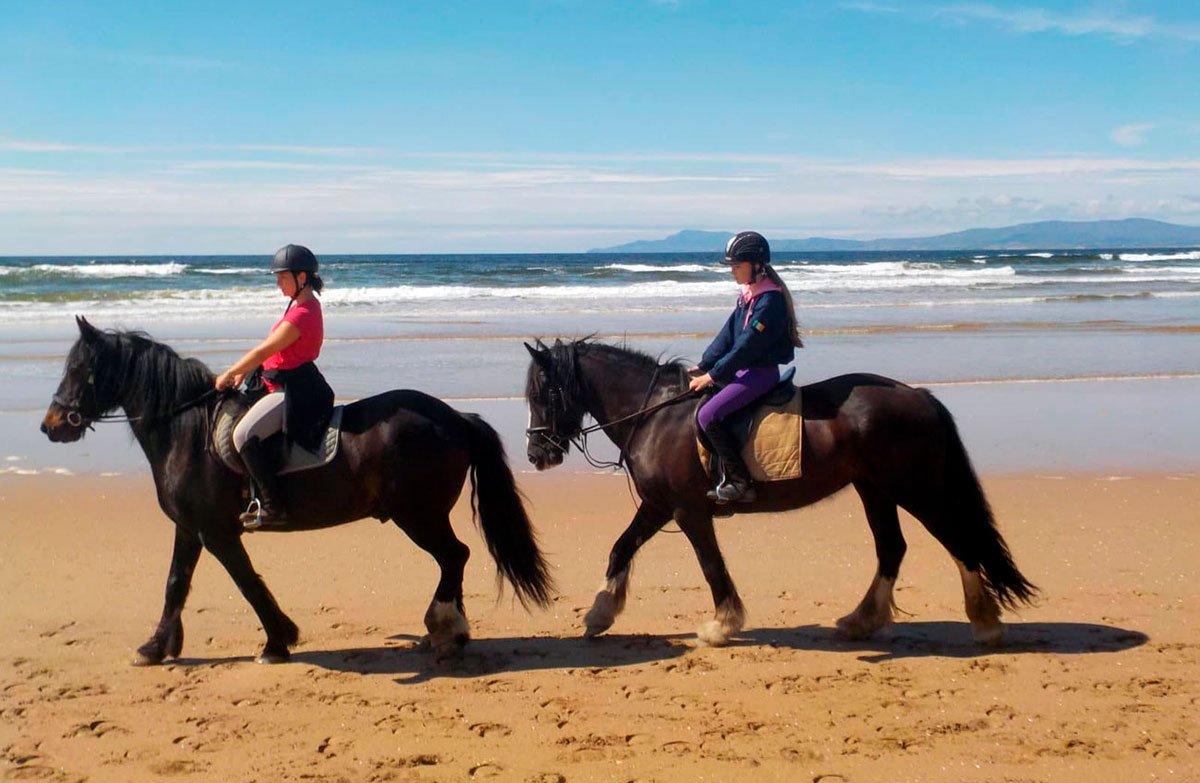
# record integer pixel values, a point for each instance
(556, 397)
(76, 418)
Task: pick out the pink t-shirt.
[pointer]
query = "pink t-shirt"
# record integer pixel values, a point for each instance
(306, 317)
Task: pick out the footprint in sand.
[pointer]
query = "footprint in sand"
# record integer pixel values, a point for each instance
(548, 777)
(97, 728)
(420, 760)
(486, 770)
(677, 747)
(490, 729)
(56, 631)
(178, 767)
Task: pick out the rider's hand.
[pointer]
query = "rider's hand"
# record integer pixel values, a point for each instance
(700, 382)
(228, 380)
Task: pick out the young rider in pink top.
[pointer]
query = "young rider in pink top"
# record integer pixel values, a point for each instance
(299, 401)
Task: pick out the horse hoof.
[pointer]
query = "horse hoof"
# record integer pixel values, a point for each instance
(992, 636)
(141, 659)
(712, 634)
(852, 629)
(273, 657)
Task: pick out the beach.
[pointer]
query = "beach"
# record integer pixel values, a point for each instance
(1071, 376)
(1098, 681)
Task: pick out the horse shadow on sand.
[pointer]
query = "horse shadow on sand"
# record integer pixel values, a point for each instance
(403, 658)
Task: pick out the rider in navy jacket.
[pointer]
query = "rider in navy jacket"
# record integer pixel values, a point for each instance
(743, 359)
(756, 335)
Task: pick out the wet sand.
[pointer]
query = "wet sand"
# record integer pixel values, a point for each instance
(1099, 682)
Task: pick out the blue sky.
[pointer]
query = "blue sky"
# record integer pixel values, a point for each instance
(560, 125)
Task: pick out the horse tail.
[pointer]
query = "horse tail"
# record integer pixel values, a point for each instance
(983, 546)
(500, 513)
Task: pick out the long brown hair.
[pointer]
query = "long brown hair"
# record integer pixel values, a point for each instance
(793, 324)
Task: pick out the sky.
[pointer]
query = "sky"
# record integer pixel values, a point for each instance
(564, 125)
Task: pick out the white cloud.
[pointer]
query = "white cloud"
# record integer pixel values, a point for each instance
(490, 202)
(17, 145)
(1131, 135)
(869, 7)
(1026, 20)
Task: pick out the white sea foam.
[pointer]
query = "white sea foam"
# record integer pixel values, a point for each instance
(111, 270)
(1192, 255)
(657, 268)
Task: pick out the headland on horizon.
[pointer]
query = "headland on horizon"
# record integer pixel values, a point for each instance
(1044, 235)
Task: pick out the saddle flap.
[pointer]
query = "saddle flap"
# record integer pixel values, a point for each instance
(300, 458)
(230, 412)
(771, 434)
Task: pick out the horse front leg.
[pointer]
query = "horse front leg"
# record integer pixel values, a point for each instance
(730, 614)
(282, 633)
(167, 639)
(610, 600)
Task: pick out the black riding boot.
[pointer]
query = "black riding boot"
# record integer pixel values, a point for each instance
(261, 463)
(735, 482)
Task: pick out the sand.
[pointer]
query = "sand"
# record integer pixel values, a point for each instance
(1098, 682)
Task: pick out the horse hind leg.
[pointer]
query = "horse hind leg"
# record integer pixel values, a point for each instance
(982, 609)
(875, 610)
(445, 619)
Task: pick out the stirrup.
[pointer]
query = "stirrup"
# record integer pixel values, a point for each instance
(729, 492)
(256, 517)
(252, 512)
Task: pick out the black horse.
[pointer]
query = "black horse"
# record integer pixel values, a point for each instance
(897, 445)
(404, 456)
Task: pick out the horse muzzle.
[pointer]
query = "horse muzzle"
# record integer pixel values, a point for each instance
(62, 426)
(544, 457)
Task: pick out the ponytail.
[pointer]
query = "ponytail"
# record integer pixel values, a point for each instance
(793, 327)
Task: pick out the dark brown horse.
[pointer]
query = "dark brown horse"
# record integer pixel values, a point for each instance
(404, 456)
(898, 446)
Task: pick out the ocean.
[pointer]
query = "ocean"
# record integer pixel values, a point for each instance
(452, 325)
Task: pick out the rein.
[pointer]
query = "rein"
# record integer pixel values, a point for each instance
(77, 419)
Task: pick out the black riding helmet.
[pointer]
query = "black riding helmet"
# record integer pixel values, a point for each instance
(747, 246)
(294, 258)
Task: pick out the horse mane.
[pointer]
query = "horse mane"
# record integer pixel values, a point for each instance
(151, 376)
(564, 355)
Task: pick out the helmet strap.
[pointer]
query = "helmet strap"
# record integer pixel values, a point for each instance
(299, 289)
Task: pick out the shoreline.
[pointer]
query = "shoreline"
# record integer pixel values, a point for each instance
(1112, 424)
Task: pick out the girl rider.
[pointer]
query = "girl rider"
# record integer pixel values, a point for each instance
(744, 358)
(299, 401)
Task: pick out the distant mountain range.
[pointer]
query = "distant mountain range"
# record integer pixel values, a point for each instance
(1043, 235)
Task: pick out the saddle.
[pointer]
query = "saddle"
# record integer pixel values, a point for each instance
(230, 411)
(770, 431)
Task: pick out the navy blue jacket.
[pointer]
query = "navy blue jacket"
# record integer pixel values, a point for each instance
(758, 341)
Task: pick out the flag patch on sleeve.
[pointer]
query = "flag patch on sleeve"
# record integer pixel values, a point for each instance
(758, 325)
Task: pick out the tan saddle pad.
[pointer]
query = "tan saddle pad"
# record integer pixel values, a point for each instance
(299, 458)
(772, 453)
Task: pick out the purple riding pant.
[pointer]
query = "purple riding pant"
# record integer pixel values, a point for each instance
(746, 387)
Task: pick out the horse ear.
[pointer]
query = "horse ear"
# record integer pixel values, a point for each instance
(539, 356)
(85, 328)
